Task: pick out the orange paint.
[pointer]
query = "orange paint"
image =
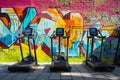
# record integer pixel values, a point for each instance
(34, 20)
(19, 11)
(5, 21)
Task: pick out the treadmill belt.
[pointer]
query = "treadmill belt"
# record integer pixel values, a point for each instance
(21, 67)
(101, 66)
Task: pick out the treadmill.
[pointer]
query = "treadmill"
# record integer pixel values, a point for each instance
(59, 61)
(27, 63)
(117, 54)
(92, 60)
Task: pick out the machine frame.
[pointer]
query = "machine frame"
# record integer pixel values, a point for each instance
(93, 61)
(27, 63)
(61, 63)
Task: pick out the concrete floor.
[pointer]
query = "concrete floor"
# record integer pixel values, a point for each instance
(79, 72)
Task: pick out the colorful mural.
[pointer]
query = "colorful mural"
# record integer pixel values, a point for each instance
(44, 16)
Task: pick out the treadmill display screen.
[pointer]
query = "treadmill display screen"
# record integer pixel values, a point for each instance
(60, 31)
(28, 31)
(93, 31)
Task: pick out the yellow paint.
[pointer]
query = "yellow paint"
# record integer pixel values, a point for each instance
(59, 22)
(76, 27)
(10, 10)
(52, 11)
(42, 19)
(0, 24)
(78, 19)
(110, 29)
(55, 15)
(41, 56)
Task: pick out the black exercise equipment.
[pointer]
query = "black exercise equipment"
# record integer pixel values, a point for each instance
(92, 60)
(59, 61)
(28, 62)
(117, 54)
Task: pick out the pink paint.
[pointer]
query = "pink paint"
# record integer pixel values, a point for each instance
(108, 6)
(75, 5)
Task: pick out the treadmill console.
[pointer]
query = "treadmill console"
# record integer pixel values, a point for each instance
(93, 31)
(28, 32)
(59, 31)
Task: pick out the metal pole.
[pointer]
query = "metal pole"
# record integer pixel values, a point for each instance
(87, 47)
(101, 49)
(51, 48)
(92, 45)
(21, 49)
(67, 46)
(59, 46)
(35, 52)
(29, 46)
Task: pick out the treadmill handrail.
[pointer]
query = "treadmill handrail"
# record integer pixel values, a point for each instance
(22, 36)
(92, 36)
(55, 36)
(32, 37)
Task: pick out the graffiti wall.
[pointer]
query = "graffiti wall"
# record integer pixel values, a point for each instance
(44, 16)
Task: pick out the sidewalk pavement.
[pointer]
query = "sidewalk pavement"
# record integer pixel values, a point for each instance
(79, 72)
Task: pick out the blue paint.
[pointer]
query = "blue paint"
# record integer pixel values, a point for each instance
(45, 24)
(6, 36)
(74, 50)
(30, 15)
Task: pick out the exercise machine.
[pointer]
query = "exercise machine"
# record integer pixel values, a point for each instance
(27, 63)
(117, 54)
(92, 60)
(59, 61)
